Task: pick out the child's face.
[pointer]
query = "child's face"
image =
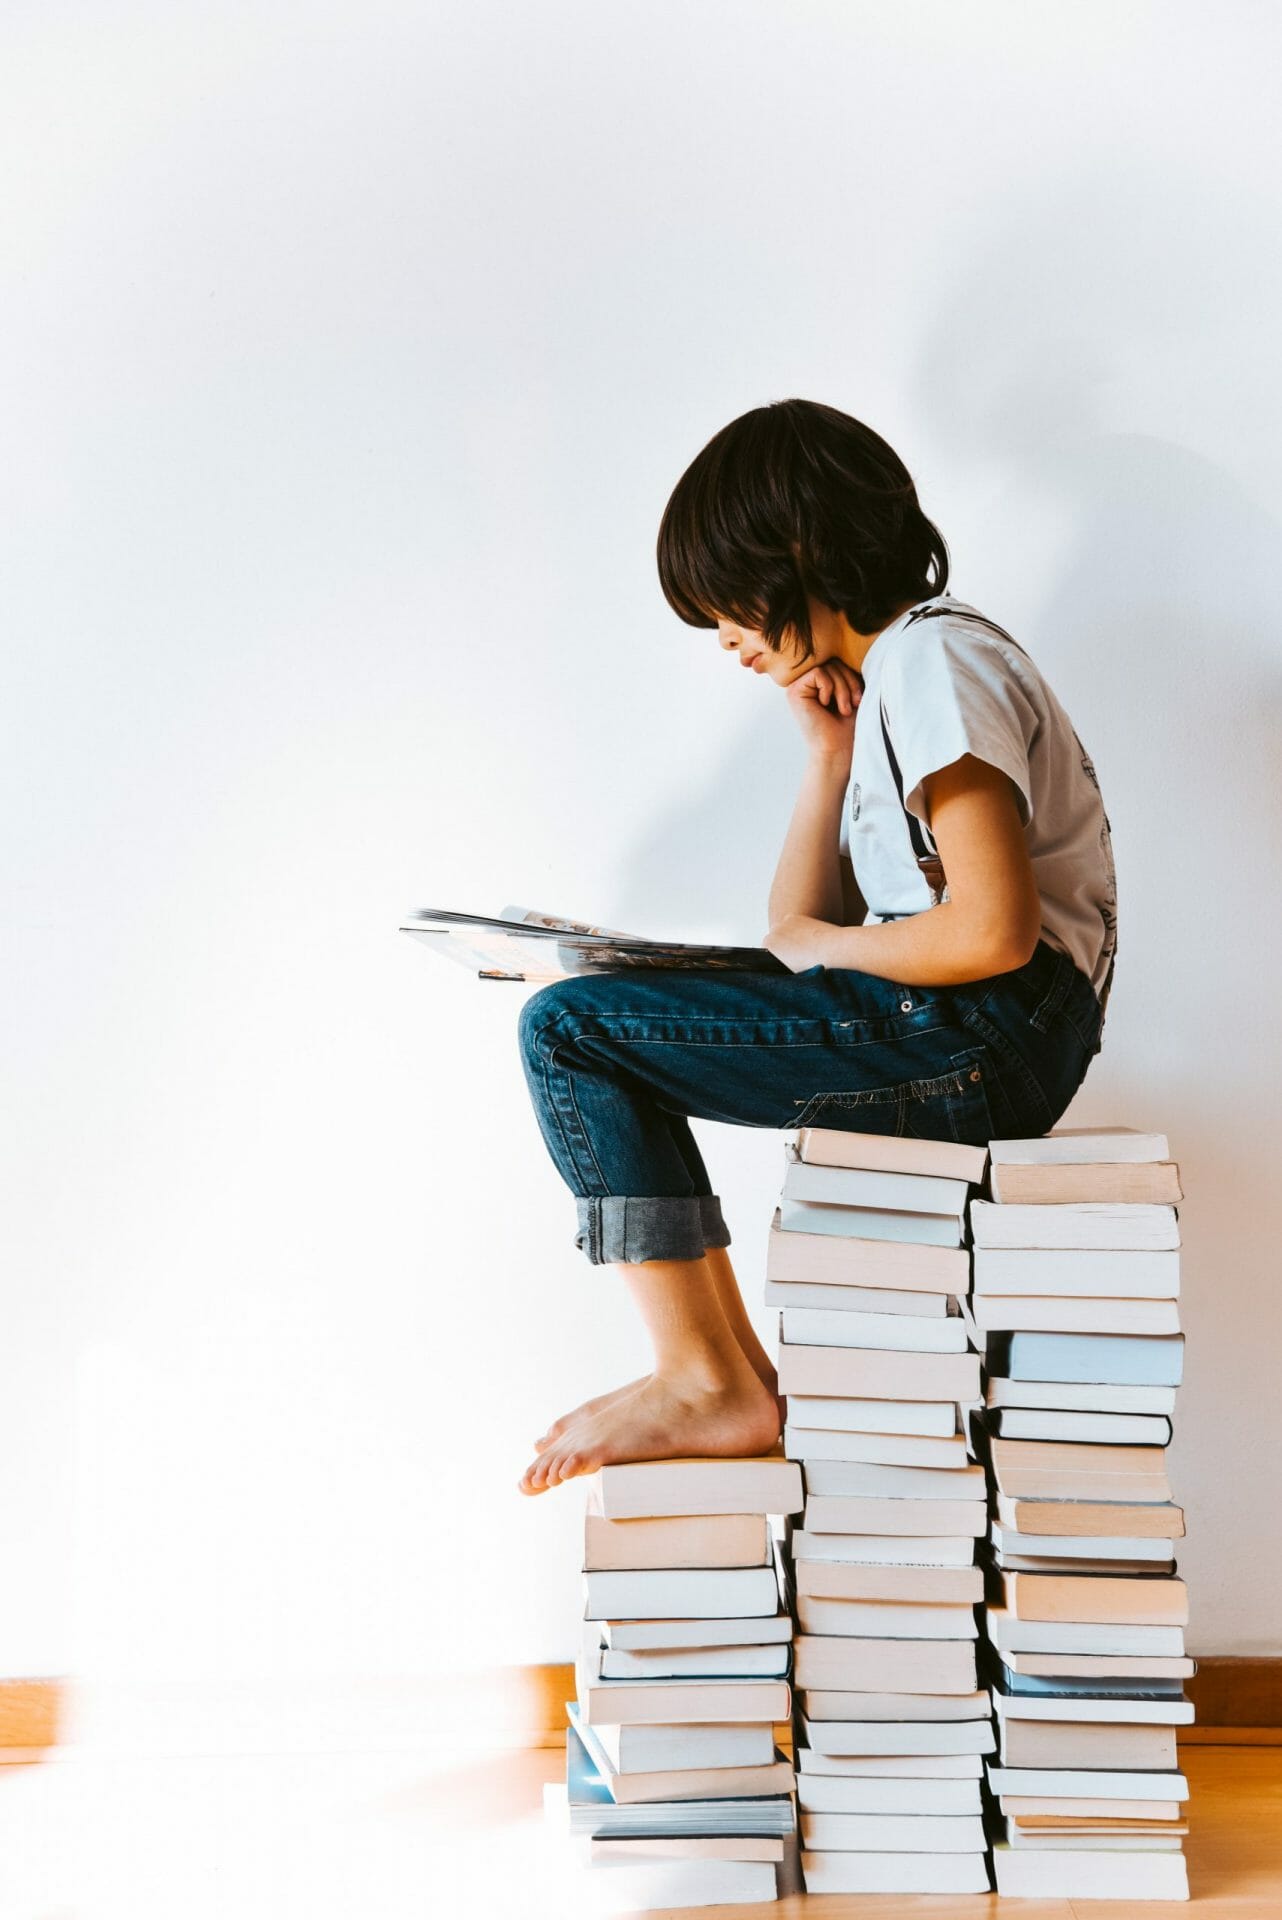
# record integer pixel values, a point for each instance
(790, 663)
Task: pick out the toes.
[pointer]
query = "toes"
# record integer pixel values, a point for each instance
(535, 1478)
(570, 1465)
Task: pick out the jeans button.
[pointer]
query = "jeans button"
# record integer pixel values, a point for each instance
(905, 1006)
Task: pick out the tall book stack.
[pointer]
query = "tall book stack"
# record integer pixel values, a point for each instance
(866, 1262)
(674, 1783)
(1076, 1278)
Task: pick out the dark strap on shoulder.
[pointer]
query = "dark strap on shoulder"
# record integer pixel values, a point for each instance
(923, 848)
(955, 613)
(923, 841)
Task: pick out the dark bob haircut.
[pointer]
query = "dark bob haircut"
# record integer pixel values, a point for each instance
(794, 499)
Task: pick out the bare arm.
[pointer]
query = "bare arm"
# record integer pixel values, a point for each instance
(808, 878)
(990, 922)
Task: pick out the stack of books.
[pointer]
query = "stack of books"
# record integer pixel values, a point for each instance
(674, 1783)
(866, 1263)
(1076, 1278)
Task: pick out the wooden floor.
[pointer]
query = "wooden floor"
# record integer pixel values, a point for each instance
(393, 1835)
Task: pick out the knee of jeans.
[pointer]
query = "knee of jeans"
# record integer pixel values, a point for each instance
(538, 1014)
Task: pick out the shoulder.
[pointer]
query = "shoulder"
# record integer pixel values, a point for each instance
(956, 648)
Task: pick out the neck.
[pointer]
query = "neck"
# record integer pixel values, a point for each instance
(852, 646)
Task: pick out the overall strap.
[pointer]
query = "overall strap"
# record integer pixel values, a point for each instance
(923, 841)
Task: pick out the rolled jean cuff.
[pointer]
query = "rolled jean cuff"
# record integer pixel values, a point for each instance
(618, 1226)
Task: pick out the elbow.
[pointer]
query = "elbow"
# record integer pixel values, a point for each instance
(1002, 944)
(1013, 944)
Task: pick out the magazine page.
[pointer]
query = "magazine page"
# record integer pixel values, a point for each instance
(532, 917)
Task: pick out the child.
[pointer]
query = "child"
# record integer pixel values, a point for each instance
(945, 902)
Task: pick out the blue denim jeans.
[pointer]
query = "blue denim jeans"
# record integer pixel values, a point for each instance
(618, 1064)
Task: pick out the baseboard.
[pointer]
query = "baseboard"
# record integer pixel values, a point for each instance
(1238, 1701)
(31, 1713)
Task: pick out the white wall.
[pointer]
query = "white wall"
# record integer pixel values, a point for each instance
(352, 353)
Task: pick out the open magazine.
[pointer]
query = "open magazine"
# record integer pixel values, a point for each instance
(523, 944)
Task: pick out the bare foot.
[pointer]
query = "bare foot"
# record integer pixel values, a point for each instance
(665, 1419)
(568, 1420)
(559, 1428)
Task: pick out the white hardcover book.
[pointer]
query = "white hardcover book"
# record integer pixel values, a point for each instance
(1011, 1562)
(829, 1259)
(889, 1766)
(1079, 1146)
(817, 1327)
(1066, 1874)
(870, 1223)
(936, 1418)
(651, 1489)
(672, 1702)
(843, 1664)
(1016, 1312)
(852, 1372)
(1077, 1783)
(893, 1832)
(1071, 1547)
(1031, 1807)
(895, 1873)
(833, 1793)
(886, 1619)
(1127, 1712)
(691, 1663)
(631, 1886)
(1101, 1429)
(899, 1584)
(896, 1550)
(1140, 1668)
(800, 1293)
(858, 1479)
(1099, 1275)
(628, 1787)
(668, 1748)
(926, 1711)
(862, 1187)
(886, 1449)
(869, 1737)
(641, 1636)
(891, 1153)
(694, 1846)
(851, 1514)
(1156, 1181)
(1087, 1226)
(680, 1593)
(1080, 1396)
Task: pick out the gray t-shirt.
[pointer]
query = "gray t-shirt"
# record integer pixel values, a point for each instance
(949, 687)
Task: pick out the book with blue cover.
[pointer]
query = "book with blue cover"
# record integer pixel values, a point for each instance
(1108, 1358)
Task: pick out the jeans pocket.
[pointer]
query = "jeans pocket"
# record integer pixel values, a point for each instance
(949, 1106)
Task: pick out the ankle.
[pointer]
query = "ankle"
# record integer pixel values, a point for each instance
(708, 1370)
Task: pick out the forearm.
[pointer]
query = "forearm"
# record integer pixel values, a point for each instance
(808, 877)
(943, 946)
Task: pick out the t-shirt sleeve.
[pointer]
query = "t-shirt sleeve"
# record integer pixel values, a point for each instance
(948, 692)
